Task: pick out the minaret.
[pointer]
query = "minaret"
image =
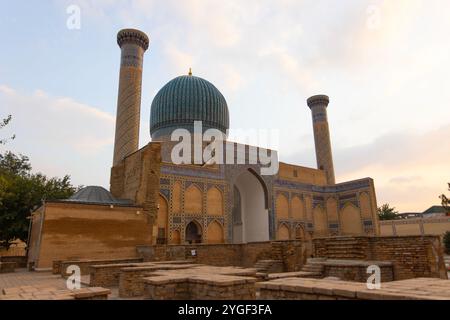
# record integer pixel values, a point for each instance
(318, 105)
(133, 43)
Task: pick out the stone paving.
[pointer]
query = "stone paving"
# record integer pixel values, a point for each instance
(44, 292)
(22, 277)
(23, 284)
(26, 285)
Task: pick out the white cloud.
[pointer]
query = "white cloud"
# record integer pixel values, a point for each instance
(267, 57)
(60, 135)
(410, 170)
(233, 79)
(182, 61)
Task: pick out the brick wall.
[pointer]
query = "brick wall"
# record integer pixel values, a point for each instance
(60, 267)
(200, 288)
(106, 275)
(291, 253)
(82, 231)
(20, 261)
(7, 267)
(137, 178)
(412, 256)
(357, 273)
(418, 226)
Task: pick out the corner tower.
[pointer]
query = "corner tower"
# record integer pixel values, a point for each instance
(133, 43)
(318, 105)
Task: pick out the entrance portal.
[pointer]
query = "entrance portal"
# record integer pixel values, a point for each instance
(250, 213)
(193, 233)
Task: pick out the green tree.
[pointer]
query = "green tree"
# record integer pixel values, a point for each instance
(445, 201)
(447, 242)
(22, 191)
(385, 212)
(4, 123)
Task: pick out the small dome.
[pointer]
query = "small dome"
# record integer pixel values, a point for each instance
(95, 194)
(184, 100)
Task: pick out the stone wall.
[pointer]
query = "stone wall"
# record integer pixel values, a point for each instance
(302, 174)
(20, 261)
(107, 275)
(17, 248)
(200, 288)
(354, 271)
(72, 231)
(420, 226)
(60, 267)
(291, 253)
(412, 256)
(137, 178)
(321, 289)
(131, 283)
(7, 267)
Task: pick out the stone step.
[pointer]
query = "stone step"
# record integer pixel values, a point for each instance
(351, 249)
(331, 248)
(312, 268)
(349, 255)
(312, 260)
(336, 243)
(269, 266)
(265, 266)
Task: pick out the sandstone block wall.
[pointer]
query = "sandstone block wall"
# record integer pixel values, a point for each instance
(356, 273)
(291, 253)
(315, 289)
(131, 282)
(7, 267)
(412, 256)
(172, 288)
(20, 261)
(71, 231)
(429, 226)
(106, 275)
(137, 178)
(60, 267)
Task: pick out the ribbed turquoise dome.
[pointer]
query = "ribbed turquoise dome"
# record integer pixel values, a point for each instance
(184, 100)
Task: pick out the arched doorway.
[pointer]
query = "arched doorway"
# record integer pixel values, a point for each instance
(193, 233)
(250, 212)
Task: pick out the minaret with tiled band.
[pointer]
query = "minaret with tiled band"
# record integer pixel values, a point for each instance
(133, 43)
(318, 105)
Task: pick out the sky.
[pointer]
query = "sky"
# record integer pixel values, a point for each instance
(384, 64)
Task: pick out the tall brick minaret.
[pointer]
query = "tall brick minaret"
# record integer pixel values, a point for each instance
(133, 43)
(318, 105)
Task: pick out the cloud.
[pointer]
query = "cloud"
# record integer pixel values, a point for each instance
(232, 78)
(398, 150)
(59, 135)
(383, 63)
(182, 61)
(405, 180)
(410, 169)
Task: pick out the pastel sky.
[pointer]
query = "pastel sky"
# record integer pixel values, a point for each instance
(384, 64)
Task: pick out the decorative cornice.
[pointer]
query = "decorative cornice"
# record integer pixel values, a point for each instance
(318, 100)
(133, 36)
